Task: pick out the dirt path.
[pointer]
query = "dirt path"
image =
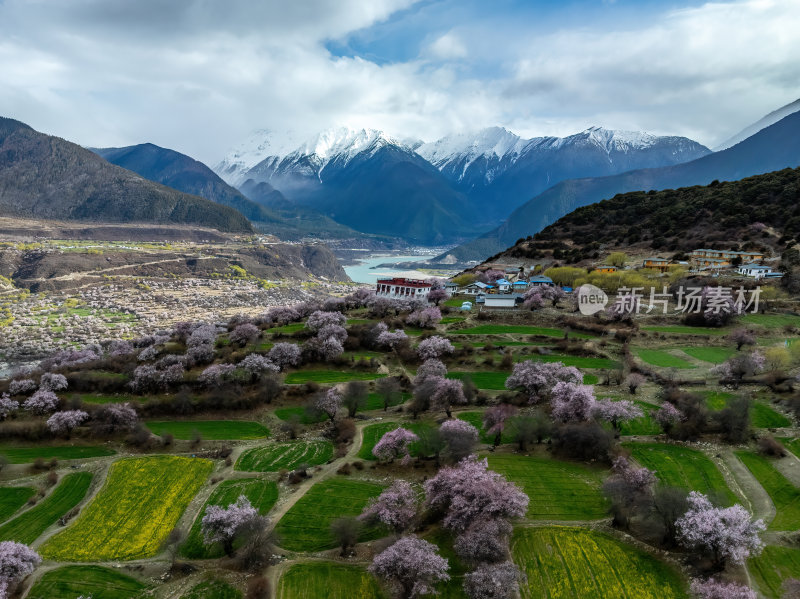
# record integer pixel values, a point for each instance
(755, 497)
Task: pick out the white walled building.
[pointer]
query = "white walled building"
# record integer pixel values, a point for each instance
(400, 288)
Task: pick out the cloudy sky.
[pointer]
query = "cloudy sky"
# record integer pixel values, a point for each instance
(200, 75)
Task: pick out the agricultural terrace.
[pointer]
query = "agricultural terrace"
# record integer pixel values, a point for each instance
(286, 408)
(133, 513)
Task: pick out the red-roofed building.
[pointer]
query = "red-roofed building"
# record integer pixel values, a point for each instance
(400, 288)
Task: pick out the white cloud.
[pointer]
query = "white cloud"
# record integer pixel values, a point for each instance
(198, 76)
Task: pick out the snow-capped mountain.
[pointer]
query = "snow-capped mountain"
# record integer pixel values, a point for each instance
(259, 145)
(467, 181)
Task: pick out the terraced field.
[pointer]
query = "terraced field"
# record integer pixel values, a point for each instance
(133, 513)
(574, 563)
(679, 329)
(677, 466)
(495, 381)
(280, 456)
(329, 580)
(773, 567)
(24, 455)
(328, 377)
(210, 430)
(662, 359)
(714, 355)
(69, 582)
(13, 498)
(306, 526)
(303, 415)
(262, 495)
(761, 414)
(646, 425)
(783, 493)
(557, 490)
(29, 525)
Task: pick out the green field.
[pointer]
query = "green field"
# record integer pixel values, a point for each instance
(771, 321)
(657, 357)
(304, 416)
(646, 425)
(783, 493)
(262, 495)
(792, 445)
(11, 499)
(306, 526)
(761, 415)
(495, 381)
(285, 456)
(511, 329)
(773, 567)
(373, 433)
(557, 490)
(328, 377)
(24, 455)
(577, 361)
(677, 466)
(327, 579)
(573, 563)
(714, 355)
(139, 504)
(679, 329)
(29, 525)
(212, 589)
(375, 401)
(476, 420)
(69, 582)
(96, 398)
(210, 430)
(289, 328)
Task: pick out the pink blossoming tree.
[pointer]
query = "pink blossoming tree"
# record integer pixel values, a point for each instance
(16, 562)
(434, 347)
(716, 589)
(538, 378)
(221, 525)
(396, 507)
(493, 581)
(394, 444)
(412, 566)
(62, 423)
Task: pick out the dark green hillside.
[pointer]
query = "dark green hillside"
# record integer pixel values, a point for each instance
(46, 177)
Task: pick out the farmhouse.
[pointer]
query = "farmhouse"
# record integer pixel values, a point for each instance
(606, 269)
(507, 301)
(402, 288)
(758, 271)
(661, 264)
(540, 280)
(721, 258)
(476, 288)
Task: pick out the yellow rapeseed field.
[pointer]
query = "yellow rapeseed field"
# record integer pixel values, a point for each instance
(140, 503)
(572, 563)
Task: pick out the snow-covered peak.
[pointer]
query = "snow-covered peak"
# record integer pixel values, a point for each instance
(259, 145)
(490, 142)
(344, 142)
(612, 139)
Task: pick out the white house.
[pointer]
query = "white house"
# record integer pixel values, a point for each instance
(476, 288)
(540, 280)
(503, 285)
(451, 288)
(754, 270)
(399, 288)
(506, 301)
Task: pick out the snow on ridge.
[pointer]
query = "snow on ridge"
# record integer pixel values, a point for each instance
(490, 142)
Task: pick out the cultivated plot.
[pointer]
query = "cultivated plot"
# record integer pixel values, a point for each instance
(307, 524)
(13, 498)
(783, 493)
(557, 490)
(677, 466)
(774, 566)
(97, 582)
(133, 513)
(262, 495)
(574, 563)
(285, 456)
(329, 580)
(211, 430)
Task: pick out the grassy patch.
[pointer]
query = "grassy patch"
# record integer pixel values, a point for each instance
(69, 582)
(686, 330)
(375, 401)
(577, 361)
(714, 355)
(288, 329)
(29, 525)
(783, 493)
(327, 579)
(773, 567)
(288, 456)
(262, 495)
(305, 416)
(213, 589)
(771, 321)
(11, 499)
(24, 455)
(792, 445)
(557, 490)
(663, 359)
(512, 329)
(373, 433)
(564, 563)
(133, 513)
(93, 398)
(483, 380)
(329, 376)
(646, 425)
(677, 466)
(761, 414)
(212, 430)
(306, 526)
